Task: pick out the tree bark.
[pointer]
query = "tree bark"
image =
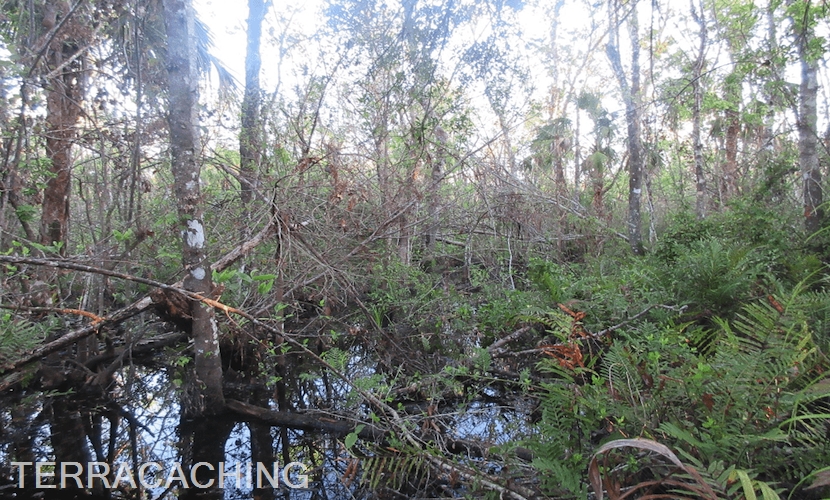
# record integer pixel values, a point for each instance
(437, 174)
(730, 166)
(250, 141)
(63, 97)
(700, 61)
(631, 97)
(807, 119)
(205, 391)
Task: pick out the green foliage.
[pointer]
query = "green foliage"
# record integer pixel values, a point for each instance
(26, 213)
(760, 392)
(732, 395)
(26, 248)
(238, 284)
(433, 306)
(714, 276)
(503, 308)
(563, 436)
(395, 470)
(19, 335)
(551, 278)
(351, 439)
(683, 230)
(718, 263)
(400, 292)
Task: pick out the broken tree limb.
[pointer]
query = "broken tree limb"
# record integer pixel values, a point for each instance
(501, 353)
(124, 313)
(76, 335)
(496, 347)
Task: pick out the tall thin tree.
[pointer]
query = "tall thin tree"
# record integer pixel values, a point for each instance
(250, 141)
(699, 15)
(183, 122)
(807, 116)
(64, 36)
(631, 96)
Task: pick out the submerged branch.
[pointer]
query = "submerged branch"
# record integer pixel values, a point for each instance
(305, 421)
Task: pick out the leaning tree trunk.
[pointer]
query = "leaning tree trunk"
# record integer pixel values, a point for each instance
(807, 137)
(631, 97)
(205, 392)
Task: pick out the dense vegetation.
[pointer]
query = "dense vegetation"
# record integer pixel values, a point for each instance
(427, 263)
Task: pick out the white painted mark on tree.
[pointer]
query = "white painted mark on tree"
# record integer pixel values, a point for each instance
(195, 234)
(198, 273)
(637, 191)
(214, 327)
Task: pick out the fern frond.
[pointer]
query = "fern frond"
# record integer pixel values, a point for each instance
(623, 378)
(394, 470)
(20, 335)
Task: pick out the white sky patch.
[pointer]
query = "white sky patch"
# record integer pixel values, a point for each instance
(228, 23)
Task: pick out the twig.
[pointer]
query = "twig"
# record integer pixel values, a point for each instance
(495, 347)
(80, 312)
(499, 353)
(638, 316)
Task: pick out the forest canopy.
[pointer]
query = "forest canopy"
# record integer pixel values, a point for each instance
(414, 249)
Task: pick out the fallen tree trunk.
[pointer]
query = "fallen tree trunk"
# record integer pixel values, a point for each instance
(337, 427)
(122, 314)
(304, 421)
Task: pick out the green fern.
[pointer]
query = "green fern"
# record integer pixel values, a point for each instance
(556, 322)
(765, 395)
(561, 442)
(624, 381)
(398, 471)
(18, 336)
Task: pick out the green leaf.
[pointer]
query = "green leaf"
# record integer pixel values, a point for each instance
(767, 492)
(26, 213)
(223, 276)
(265, 287)
(351, 438)
(746, 483)
(264, 277)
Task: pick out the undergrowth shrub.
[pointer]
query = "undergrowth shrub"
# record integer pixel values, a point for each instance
(714, 276)
(683, 230)
(504, 309)
(756, 405)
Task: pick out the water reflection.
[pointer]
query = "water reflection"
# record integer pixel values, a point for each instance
(146, 448)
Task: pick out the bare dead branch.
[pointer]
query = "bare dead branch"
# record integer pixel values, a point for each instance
(124, 313)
